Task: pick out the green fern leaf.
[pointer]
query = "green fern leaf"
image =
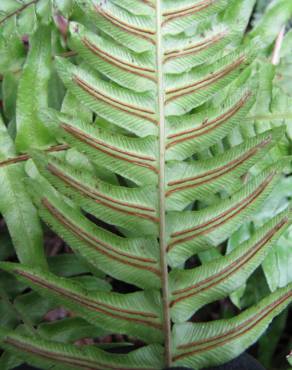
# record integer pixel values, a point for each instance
(45, 353)
(192, 289)
(200, 345)
(163, 164)
(17, 208)
(32, 97)
(111, 253)
(111, 311)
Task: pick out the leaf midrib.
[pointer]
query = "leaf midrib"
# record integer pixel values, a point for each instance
(162, 183)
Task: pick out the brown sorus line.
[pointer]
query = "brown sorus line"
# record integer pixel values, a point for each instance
(206, 121)
(95, 195)
(217, 172)
(253, 322)
(95, 144)
(169, 16)
(103, 248)
(192, 46)
(116, 104)
(122, 23)
(111, 147)
(56, 356)
(210, 172)
(179, 92)
(92, 305)
(208, 126)
(108, 99)
(229, 270)
(148, 2)
(119, 63)
(147, 36)
(57, 172)
(254, 193)
(64, 358)
(234, 211)
(194, 49)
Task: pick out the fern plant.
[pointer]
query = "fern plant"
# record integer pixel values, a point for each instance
(157, 169)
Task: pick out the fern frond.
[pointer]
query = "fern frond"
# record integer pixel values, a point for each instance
(46, 353)
(30, 130)
(111, 311)
(192, 231)
(135, 260)
(193, 133)
(131, 208)
(17, 208)
(131, 157)
(154, 99)
(190, 180)
(200, 345)
(192, 289)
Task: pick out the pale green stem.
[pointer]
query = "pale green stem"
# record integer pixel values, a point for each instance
(162, 223)
(278, 46)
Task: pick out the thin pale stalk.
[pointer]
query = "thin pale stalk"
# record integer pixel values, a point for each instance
(278, 46)
(162, 225)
